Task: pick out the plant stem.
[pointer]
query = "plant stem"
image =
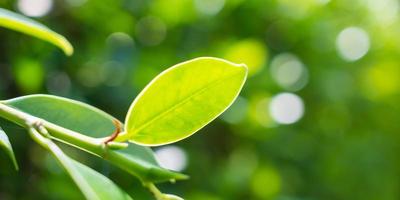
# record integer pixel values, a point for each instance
(63, 159)
(91, 145)
(73, 138)
(156, 192)
(159, 195)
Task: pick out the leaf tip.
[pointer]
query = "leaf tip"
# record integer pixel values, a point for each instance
(15, 164)
(181, 177)
(241, 66)
(67, 47)
(244, 67)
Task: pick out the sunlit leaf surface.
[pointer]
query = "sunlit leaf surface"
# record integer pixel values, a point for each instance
(182, 100)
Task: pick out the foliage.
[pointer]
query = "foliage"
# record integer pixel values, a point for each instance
(344, 145)
(193, 98)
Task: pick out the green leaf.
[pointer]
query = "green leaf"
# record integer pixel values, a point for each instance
(103, 187)
(88, 120)
(182, 100)
(152, 172)
(28, 26)
(92, 184)
(6, 145)
(70, 114)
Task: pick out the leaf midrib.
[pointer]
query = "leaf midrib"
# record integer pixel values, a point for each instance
(183, 101)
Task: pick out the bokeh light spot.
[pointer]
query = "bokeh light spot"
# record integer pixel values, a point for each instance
(262, 115)
(266, 183)
(286, 108)
(171, 157)
(352, 43)
(289, 72)
(381, 80)
(151, 31)
(241, 165)
(119, 39)
(113, 73)
(174, 12)
(58, 83)
(35, 8)
(110, 73)
(384, 11)
(297, 9)
(209, 7)
(90, 74)
(29, 75)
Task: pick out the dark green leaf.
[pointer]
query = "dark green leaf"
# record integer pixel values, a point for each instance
(88, 120)
(92, 184)
(70, 114)
(6, 146)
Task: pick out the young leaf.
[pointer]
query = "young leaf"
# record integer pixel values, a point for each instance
(28, 26)
(6, 145)
(182, 100)
(92, 184)
(90, 121)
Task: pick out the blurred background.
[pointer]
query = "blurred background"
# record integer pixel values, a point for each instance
(318, 117)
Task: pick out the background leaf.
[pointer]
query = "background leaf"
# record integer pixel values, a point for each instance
(28, 26)
(92, 184)
(182, 100)
(88, 120)
(6, 145)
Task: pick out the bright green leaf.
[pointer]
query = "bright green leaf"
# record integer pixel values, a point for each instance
(92, 184)
(88, 120)
(6, 145)
(28, 26)
(182, 100)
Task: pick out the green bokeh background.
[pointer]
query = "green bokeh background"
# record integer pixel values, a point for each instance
(345, 146)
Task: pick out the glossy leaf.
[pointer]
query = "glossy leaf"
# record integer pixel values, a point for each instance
(70, 114)
(182, 100)
(28, 26)
(88, 120)
(92, 184)
(6, 146)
